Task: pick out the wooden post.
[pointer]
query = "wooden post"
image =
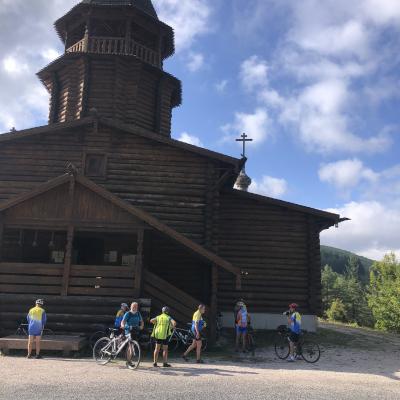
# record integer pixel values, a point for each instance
(70, 238)
(67, 261)
(128, 34)
(214, 304)
(139, 264)
(1, 236)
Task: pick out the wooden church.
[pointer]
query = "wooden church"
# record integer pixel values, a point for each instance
(102, 205)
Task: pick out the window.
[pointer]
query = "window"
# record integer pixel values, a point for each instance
(95, 165)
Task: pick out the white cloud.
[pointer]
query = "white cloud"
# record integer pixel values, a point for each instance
(346, 174)
(254, 73)
(28, 43)
(190, 19)
(221, 86)
(373, 231)
(190, 139)
(269, 186)
(195, 61)
(256, 125)
(13, 67)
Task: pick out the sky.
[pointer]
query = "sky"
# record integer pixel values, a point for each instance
(315, 83)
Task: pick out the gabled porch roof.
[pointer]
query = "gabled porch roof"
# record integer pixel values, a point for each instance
(134, 211)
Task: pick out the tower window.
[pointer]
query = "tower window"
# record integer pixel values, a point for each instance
(95, 165)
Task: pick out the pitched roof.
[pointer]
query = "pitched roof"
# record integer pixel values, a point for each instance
(130, 129)
(135, 211)
(335, 218)
(143, 5)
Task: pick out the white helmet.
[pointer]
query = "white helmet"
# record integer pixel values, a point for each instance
(124, 305)
(39, 302)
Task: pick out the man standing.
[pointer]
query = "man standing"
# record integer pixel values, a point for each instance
(294, 322)
(163, 325)
(132, 319)
(36, 322)
(198, 325)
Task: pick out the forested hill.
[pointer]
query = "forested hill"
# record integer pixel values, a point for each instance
(338, 258)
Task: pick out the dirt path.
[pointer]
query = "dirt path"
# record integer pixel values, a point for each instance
(367, 333)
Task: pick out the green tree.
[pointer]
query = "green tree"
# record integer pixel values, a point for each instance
(337, 311)
(384, 296)
(329, 278)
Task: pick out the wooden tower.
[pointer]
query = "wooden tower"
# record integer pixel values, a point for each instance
(113, 62)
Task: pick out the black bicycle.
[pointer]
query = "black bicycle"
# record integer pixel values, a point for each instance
(22, 330)
(306, 349)
(250, 342)
(182, 338)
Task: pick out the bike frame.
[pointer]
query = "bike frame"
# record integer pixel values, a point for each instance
(116, 350)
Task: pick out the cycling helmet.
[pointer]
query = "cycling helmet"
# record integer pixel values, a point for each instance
(165, 310)
(293, 305)
(124, 305)
(39, 302)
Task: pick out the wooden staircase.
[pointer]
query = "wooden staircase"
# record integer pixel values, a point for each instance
(162, 293)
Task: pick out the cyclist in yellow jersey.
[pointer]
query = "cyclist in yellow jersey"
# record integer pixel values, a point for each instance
(36, 321)
(163, 325)
(198, 324)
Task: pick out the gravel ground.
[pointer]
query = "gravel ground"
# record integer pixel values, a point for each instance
(355, 364)
(341, 374)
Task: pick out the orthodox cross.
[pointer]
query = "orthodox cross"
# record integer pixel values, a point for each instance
(244, 139)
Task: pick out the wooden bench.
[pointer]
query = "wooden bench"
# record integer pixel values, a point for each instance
(66, 344)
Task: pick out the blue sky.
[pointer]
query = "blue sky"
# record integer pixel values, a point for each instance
(315, 83)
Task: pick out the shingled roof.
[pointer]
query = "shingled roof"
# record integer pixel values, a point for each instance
(143, 5)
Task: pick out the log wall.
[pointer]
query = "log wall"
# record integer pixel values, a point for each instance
(168, 182)
(118, 87)
(276, 248)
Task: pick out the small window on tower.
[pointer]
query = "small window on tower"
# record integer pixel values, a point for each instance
(95, 165)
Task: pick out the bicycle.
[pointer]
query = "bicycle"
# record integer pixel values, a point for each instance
(183, 337)
(250, 342)
(108, 348)
(22, 330)
(306, 349)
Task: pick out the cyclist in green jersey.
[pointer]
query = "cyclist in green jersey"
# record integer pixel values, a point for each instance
(163, 325)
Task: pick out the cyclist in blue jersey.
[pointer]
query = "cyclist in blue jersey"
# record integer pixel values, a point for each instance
(294, 322)
(132, 319)
(242, 323)
(36, 321)
(120, 315)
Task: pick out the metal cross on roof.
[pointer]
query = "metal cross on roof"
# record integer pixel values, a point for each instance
(244, 139)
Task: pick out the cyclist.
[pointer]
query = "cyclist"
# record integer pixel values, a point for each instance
(163, 325)
(120, 315)
(36, 321)
(242, 323)
(132, 319)
(198, 324)
(294, 322)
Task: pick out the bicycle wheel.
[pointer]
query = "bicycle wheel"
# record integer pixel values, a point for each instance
(102, 351)
(133, 355)
(250, 344)
(282, 349)
(174, 344)
(204, 344)
(310, 352)
(21, 332)
(95, 337)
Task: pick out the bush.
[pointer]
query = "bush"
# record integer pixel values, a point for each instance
(337, 311)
